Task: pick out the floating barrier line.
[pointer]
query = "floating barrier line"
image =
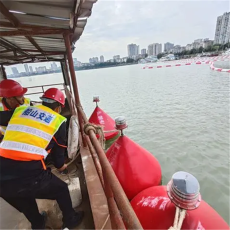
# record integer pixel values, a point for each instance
(218, 69)
(196, 61)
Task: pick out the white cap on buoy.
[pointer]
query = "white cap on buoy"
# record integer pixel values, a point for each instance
(120, 123)
(184, 190)
(96, 99)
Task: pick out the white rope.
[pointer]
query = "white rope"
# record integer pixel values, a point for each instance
(178, 220)
(103, 226)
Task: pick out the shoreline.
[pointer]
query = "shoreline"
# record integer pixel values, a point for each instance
(76, 69)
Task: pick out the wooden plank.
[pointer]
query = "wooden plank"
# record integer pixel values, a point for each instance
(4, 24)
(42, 21)
(8, 15)
(34, 44)
(31, 55)
(96, 193)
(11, 46)
(16, 22)
(39, 8)
(31, 33)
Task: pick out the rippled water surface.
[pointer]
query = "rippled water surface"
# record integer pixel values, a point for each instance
(179, 114)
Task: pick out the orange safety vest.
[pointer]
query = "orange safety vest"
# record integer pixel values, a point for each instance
(29, 132)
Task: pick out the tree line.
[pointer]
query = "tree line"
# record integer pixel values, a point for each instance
(213, 48)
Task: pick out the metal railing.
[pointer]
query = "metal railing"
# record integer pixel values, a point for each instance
(43, 88)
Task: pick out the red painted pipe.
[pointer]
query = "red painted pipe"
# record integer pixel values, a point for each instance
(74, 82)
(120, 197)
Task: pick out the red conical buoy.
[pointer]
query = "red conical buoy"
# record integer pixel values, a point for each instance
(155, 210)
(99, 117)
(135, 167)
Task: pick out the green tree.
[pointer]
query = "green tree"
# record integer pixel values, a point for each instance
(226, 45)
(201, 49)
(208, 49)
(193, 51)
(216, 47)
(160, 55)
(129, 60)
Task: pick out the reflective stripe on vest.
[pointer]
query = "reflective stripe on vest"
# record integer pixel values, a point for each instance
(29, 132)
(4, 108)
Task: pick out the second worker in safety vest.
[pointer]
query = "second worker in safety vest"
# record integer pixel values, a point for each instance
(32, 131)
(11, 96)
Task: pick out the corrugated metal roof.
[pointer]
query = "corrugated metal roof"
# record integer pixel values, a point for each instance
(32, 29)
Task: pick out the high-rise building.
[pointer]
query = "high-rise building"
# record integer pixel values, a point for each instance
(168, 46)
(75, 61)
(102, 58)
(133, 50)
(14, 70)
(177, 49)
(158, 48)
(222, 34)
(143, 51)
(54, 66)
(41, 69)
(31, 69)
(189, 47)
(198, 40)
(206, 43)
(150, 49)
(116, 58)
(26, 68)
(154, 49)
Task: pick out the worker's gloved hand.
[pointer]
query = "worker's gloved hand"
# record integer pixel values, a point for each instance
(48, 169)
(63, 169)
(64, 172)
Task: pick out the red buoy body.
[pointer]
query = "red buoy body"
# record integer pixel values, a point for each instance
(99, 117)
(135, 167)
(156, 211)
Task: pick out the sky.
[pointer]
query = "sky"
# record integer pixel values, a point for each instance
(115, 24)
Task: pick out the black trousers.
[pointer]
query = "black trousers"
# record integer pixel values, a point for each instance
(22, 194)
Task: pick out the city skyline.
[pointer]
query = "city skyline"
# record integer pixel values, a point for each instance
(179, 22)
(145, 26)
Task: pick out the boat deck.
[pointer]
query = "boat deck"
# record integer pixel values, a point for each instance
(12, 219)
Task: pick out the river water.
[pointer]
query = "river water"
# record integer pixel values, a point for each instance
(179, 114)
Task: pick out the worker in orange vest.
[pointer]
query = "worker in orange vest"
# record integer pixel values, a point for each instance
(11, 96)
(23, 176)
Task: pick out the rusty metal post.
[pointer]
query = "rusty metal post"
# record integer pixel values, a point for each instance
(74, 83)
(122, 201)
(115, 216)
(65, 74)
(3, 72)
